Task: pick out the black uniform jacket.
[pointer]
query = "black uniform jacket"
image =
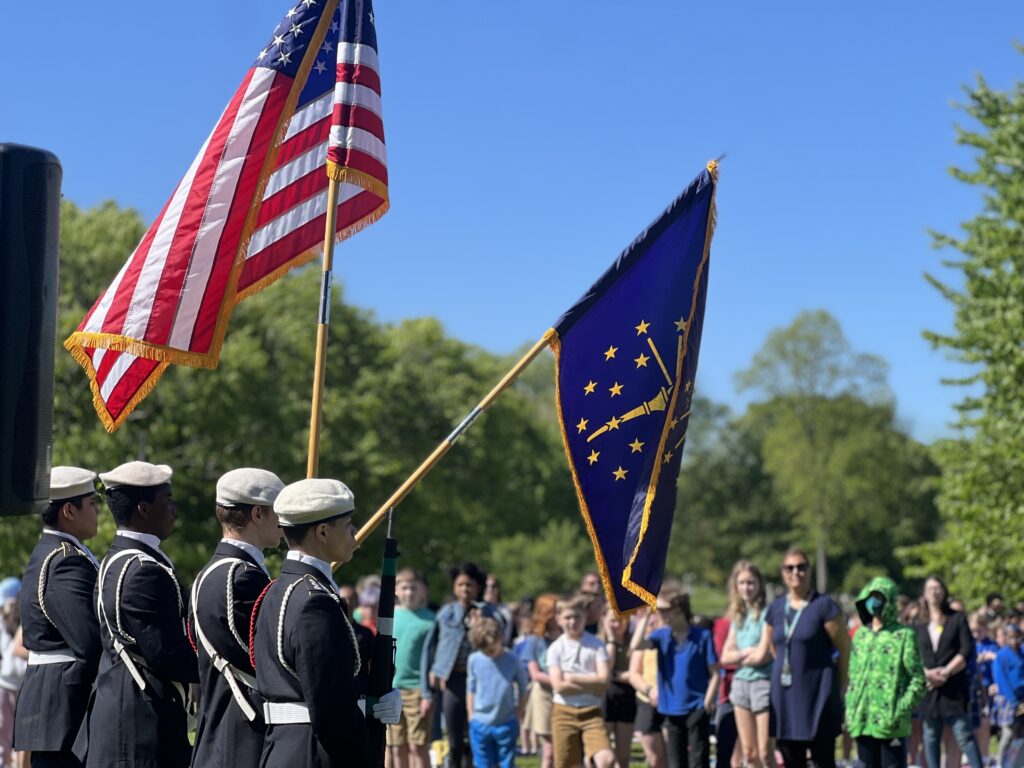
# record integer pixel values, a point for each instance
(225, 736)
(54, 698)
(953, 698)
(129, 726)
(317, 645)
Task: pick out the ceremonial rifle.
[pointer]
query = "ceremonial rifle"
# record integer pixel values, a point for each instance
(382, 661)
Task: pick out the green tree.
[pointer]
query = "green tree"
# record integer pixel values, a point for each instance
(549, 560)
(981, 495)
(802, 367)
(740, 496)
(727, 507)
(393, 392)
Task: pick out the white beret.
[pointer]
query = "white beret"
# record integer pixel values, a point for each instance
(71, 482)
(139, 474)
(312, 501)
(248, 486)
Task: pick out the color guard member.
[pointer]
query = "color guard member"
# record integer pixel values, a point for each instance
(230, 729)
(305, 649)
(58, 622)
(138, 717)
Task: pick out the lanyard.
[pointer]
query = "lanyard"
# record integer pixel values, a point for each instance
(788, 627)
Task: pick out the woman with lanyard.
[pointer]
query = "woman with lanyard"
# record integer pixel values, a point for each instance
(806, 628)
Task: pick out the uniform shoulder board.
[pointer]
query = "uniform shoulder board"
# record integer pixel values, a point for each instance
(67, 548)
(316, 585)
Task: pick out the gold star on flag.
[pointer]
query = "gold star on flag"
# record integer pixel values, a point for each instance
(668, 456)
(641, 362)
(681, 324)
(589, 389)
(592, 458)
(614, 423)
(582, 426)
(673, 424)
(620, 473)
(610, 353)
(688, 387)
(636, 445)
(642, 328)
(615, 389)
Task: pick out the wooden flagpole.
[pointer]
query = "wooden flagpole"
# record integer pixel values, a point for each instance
(320, 369)
(428, 464)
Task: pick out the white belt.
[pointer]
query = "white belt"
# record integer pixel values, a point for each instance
(36, 658)
(285, 713)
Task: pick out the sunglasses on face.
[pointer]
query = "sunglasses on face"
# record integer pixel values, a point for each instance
(796, 568)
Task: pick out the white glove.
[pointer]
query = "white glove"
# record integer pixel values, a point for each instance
(388, 708)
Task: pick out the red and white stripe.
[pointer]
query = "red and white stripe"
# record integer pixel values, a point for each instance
(290, 225)
(170, 293)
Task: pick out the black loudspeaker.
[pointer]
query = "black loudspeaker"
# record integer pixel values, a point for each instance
(29, 241)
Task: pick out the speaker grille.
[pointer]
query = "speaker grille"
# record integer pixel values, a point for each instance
(29, 242)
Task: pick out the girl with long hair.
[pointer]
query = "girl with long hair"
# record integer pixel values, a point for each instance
(619, 706)
(643, 676)
(537, 719)
(946, 645)
(745, 648)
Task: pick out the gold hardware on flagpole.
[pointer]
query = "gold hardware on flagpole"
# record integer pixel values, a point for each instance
(320, 369)
(428, 464)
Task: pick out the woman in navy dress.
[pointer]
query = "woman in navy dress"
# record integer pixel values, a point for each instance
(806, 629)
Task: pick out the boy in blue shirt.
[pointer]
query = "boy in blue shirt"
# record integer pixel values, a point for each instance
(493, 708)
(687, 682)
(1009, 674)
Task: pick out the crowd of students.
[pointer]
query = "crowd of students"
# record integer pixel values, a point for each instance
(771, 682)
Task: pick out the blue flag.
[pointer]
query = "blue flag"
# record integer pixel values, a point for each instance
(626, 358)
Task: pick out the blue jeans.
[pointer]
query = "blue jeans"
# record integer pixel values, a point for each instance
(493, 744)
(961, 725)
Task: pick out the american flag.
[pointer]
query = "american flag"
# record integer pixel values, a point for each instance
(250, 207)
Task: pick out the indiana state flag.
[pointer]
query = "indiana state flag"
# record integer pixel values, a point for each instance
(626, 358)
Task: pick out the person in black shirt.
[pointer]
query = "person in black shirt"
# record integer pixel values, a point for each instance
(946, 644)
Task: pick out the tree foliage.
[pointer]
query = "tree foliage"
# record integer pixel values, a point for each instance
(745, 494)
(981, 495)
(824, 433)
(393, 392)
(819, 462)
(807, 368)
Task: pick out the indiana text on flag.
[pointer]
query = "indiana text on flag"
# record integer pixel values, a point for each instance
(626, 358)
(250, 207)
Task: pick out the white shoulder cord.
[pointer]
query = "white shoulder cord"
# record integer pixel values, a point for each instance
(44, 573)
(230, 673)
(119, 647)
(280, 625)
(234, 563)
(244, 645)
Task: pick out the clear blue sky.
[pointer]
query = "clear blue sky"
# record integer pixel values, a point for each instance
(528, 144)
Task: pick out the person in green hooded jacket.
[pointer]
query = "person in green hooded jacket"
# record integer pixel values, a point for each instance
(886, 679)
